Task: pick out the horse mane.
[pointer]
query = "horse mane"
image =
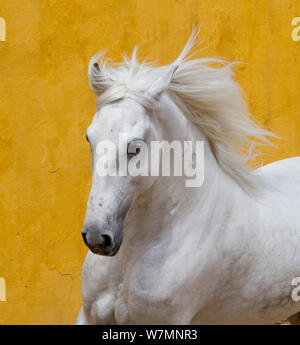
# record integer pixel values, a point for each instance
(207, 94)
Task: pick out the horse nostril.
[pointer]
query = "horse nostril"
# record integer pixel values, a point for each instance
(84, 237)
(107, 241)
(96, 242)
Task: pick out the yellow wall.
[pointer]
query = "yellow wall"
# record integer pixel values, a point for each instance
(45, 107)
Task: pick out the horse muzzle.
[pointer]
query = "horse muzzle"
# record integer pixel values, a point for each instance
(106, 241)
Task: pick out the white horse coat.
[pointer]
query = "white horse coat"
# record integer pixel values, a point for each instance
(223, 253)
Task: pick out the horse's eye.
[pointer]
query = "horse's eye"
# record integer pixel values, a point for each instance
(134, 148)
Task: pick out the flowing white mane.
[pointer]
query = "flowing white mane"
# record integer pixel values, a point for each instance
(207, 95)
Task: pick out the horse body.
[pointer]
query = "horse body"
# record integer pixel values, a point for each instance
(214, 254)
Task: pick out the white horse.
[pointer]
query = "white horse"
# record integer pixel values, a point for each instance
(223, 253)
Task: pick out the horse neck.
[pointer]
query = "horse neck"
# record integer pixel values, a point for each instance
(169, 199)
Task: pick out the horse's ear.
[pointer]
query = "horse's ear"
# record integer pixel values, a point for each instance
(97, 66)
(96, 78)
(162, 84)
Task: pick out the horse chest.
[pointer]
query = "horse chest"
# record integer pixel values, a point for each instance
(151, 295)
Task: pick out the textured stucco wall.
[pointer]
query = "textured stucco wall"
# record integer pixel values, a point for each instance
(45, 107)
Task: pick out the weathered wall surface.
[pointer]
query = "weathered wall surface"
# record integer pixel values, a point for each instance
(45, 107)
